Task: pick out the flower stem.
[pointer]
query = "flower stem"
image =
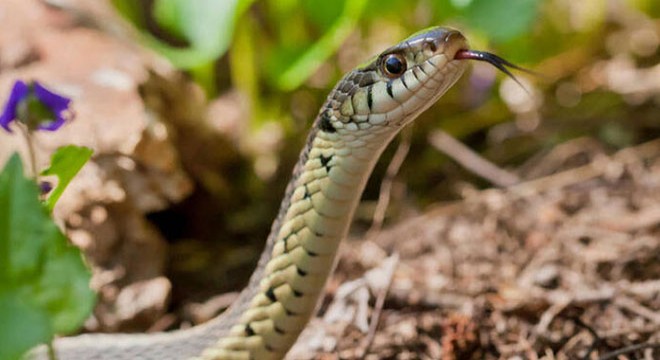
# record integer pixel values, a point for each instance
(51, 351)
(31, 153)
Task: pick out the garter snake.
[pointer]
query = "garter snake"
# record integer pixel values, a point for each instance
(361, 115)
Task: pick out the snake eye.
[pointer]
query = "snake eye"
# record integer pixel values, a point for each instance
(394, 65)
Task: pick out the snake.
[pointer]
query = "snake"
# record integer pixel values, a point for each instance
(360, 117)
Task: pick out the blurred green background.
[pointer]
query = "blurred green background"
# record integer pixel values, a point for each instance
(283, 56)
(274, 61)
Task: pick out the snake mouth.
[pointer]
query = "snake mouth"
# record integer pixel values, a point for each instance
(498, 62)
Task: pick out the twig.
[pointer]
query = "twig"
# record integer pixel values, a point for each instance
(633, 306)
(629, 349)
(639, 329)
(471, 160)
(640, 289)
(585, 172)
(550, 314)
(551, 182)
(546, 163)
(200, 313)
(380, 303)
(592, 331)
(386, 185)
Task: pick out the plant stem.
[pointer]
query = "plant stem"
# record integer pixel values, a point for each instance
(31, 153)
(51, 351)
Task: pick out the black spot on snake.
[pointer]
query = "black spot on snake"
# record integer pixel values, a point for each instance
(289, 312)
(270, 294)
(415, 74)
(389, 89)
(403, 81)
(301, 272)
(249, 331)
(370, 97)
(286, 243)
(325, 162)
(325, 124)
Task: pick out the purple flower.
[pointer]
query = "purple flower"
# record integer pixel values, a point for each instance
(36, 107)
(18, 93)
(45, 187)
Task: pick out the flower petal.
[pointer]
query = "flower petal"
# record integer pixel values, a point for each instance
(18, 92)
(58, 104)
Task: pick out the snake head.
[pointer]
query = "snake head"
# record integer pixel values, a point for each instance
(395, 86)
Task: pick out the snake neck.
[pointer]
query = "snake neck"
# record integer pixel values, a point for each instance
(315, 216)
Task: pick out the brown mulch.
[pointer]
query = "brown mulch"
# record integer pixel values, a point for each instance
(562, 267)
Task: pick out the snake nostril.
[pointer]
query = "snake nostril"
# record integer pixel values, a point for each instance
(454, 41)
(454, 36)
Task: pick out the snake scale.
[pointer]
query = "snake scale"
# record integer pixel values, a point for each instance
(360, 117)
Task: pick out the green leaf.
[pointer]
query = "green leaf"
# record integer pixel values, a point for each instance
(44, 283)
(303, 67)
(323, 13)
(65, 164)
(497, 20)
(23, 327)
(168, 17)
(130, 9)
(501, 20)
(208, 25)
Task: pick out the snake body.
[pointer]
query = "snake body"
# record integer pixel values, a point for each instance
(361, 115)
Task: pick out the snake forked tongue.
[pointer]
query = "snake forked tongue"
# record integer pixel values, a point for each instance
(500, 63)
